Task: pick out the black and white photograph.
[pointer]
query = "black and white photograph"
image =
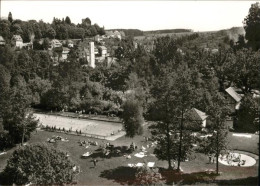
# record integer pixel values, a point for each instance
(129, 92)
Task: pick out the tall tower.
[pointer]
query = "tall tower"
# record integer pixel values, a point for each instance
(92, 55)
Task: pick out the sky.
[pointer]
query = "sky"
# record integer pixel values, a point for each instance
(143, 15)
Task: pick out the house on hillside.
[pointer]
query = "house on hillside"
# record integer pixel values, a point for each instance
(110, 60)
(122, 33)
(135, 44)
(117, 35)
(213, 51)
(55, 44)
(65, 53)
(17, 41)
(109, 34)
(2, 41)
(102, 51)
(70, 44)
(233, 98)
(83, 53)
(98, 38)
(28, 45)
(197, 118)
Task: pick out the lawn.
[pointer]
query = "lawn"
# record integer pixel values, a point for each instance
(115, 170)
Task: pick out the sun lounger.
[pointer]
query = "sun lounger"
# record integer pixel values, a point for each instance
(140, 155)
(139, 164)
(2, 153)
(130, 165)
(150, 164)
(87, 154)
(52, 141)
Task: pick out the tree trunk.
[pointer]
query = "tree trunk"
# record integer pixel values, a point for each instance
(23, 135)
(168, 137)
(179, 157)
(217, 153)
(168, 147)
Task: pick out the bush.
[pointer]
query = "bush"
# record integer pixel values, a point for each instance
(147, 176)
(38, 164)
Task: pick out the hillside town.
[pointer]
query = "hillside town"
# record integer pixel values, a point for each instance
(85, 105)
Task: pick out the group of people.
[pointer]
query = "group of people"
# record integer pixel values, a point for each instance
(133, 147)
(232, 158)
(88, 142)
(55, 138)
(212, 158)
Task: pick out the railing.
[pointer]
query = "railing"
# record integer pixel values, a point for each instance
(80, 133)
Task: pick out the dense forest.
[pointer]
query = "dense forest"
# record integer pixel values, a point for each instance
(59, 28)
(167, 31)
(129, 32)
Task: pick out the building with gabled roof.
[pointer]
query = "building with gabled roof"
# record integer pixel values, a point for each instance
(232, 92)
(65, 52)
(102, 51)
(55, 43)
(234, 99)
(17, 41)
(117, 35)
(196, 116)
(2, 41)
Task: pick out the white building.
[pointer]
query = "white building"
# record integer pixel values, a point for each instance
(17, 41)
(65, 53)
(92, 55)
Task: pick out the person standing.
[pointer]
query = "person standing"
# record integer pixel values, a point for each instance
(94, 162)
(210, 158)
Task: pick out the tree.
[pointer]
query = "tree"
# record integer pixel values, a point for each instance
(51, 33)
(38, 164)
(16, 119)
(175, 94)
(132, 118)
(184, 93)
(218, 111)
(38, 88)
(16, 29)
(246, 69)
(45, 43)
(86, 22)
(165, 49)
(5, 29)
(222, 62)
(10, 17)
(252, 26)
(67, 20)
(247, 114)
(147, 176)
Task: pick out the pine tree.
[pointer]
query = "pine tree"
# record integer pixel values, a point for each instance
(132, 118)
(10, 17)
(175, 94)
(67, 20)
(217, 111)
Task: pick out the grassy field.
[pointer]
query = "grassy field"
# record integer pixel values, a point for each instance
(115, 170)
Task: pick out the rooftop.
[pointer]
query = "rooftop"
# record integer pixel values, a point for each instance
(17, 38)
(232, 92)
(1, 38)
